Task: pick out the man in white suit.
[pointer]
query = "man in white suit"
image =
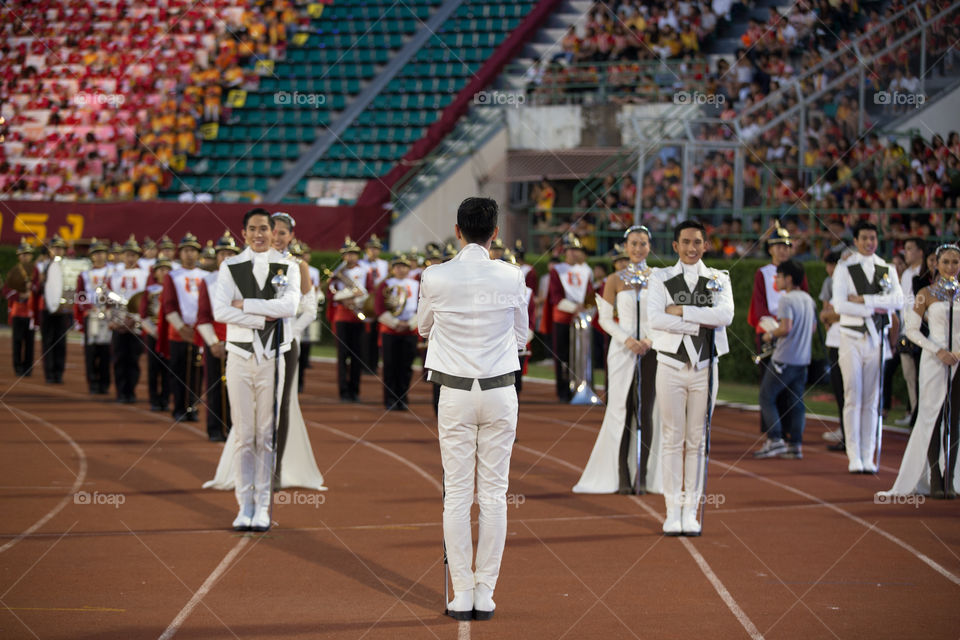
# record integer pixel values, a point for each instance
(258, 316)
(473, 311)
(688, 316)
(865, 291)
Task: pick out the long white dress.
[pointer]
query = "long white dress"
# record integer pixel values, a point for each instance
(914, 475)
(298, 467)
(602, 473)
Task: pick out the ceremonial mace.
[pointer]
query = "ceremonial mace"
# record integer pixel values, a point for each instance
(280, 282)
(950, 287)
(637, 277)
(715, 287)
(886, 286)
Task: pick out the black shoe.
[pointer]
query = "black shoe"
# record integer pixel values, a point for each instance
(156, 408)
(217, 437)
(179, 417)
(192, 416)
(837, 446)
(93, 390)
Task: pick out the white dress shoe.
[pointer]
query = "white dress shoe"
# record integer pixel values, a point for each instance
(689, 524)
(461, 607)
(869, 467)
(483, 604)
(833, 436)
(672, 525)
(261, 520)
(855, 466)
(243, 520)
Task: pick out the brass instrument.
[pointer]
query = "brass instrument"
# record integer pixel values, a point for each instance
(60, 282)
(768, 324)
(395, 299)
(97, 324)
(122, 314)
(581, 362)
(352, 295)
(149, 322)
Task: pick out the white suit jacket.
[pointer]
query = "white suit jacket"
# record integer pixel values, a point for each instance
(473, 311)
(852, 314)
(669, 331)
(244, 325)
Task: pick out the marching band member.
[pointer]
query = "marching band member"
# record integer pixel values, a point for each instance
(349, 287)
(396, 309)
(181, 295)
(149, 257)
(865, 291)
(510, 258)
(208, 257)
(380, 271)
(497, 249)
(688, 306)
(168, 249)
(311, 333)
(624, 295)
(788, 365)
(472, 309)
(258, 318)
(16, 289)
(529, 273)
(569, 289)
(158, 369)
(128, 279)
(764, 302)
(923, 469)
(214, 336)
(89, 314)
(56, 319)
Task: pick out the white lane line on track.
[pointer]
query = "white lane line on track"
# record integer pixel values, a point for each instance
(704, 566)
(366, 443)
(930, 562)
(204, 589)
(77, 483)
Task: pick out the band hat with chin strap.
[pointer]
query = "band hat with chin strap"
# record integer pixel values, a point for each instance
(161, 263)
(401, 258)
(166, 243)
(189, 240)
(132, 245)
(58, 243)
(116, 248)
(227, 242)
(97, 246)
(510, 257)
(24, 247)
(349, 246)
(209, 251)
(497, 244)
(296, 249)
(571, 241)
(374, 242)
(148, 243)
(619, 252)
(449, 251)
(780, 236)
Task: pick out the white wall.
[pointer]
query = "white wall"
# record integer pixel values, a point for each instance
(940, 117)
(545, 128)
(434, 217)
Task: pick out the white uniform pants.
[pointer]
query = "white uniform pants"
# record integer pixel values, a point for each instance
(250, 386)
(860, 366)
(477, 429)
(682, 398)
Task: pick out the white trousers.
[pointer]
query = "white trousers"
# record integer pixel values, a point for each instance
(860, 365)
(477, 429)
(682, 399)
(250, 386)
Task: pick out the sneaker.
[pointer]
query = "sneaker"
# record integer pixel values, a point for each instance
(833, 436)
(793, 452)
(770, 449)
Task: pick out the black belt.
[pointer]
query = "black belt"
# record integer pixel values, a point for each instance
(465, 384)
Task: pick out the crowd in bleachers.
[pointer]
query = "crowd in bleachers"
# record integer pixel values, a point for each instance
(103, 100)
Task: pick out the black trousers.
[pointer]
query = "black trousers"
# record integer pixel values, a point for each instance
(371, 347)
(53, 330)
(561, 360)
(218, 405)
(398, 354)
(22, 346)
(126, 363)
(648, 391)
(836, 383)
(304, 364)
(185, 373)
(889, 368)
(786, 403)
(938, 477)
(349, 358)
(158, 375)
(97, 360)
(290, 361)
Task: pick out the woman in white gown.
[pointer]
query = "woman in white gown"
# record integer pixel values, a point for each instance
(612, 467)
(921, 470)
(297, 466)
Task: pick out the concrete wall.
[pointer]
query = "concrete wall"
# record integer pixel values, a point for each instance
(433, 219)
(939, 117)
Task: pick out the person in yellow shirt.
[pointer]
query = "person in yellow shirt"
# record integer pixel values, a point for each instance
(125, 189)
(148, 191)
(689, 40)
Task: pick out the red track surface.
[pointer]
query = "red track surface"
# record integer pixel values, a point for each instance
(797, 549)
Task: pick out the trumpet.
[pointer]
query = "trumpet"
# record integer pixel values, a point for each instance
(767, 324)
